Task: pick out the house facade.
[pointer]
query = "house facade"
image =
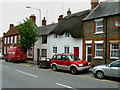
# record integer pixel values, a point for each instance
(101, 37)
(10, 39)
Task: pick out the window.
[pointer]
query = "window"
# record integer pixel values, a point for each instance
(99, 26)
(66, 49)
(99, 50)
(115, 64)
(4, 50)
(30, 52)
(15, 39)
(66, 34)
(19, 37)
(54, 49)
(53, 57)
(11, 39)
(5, 41)
(114, 50)
(44, 53)
(59, 57)
(44, 39)
(55, 35)
(7, 49)
(8, 40)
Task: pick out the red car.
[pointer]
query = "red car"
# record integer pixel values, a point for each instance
(69, 62)
(15, 54)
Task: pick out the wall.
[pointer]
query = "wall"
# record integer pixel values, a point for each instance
(61, 41)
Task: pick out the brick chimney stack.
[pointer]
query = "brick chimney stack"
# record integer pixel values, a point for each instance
(60, 18)
(68, 12)
(33, 18)
(94, 3)
(44, 22)
(11, 25)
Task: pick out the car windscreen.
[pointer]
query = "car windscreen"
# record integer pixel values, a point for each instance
(73, 58)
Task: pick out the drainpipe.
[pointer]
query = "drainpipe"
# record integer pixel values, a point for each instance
(106, 41)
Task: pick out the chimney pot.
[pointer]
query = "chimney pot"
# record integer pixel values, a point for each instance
(11, 25)
(68, 12)
(60, 18)
(33, 18)
(44, 22)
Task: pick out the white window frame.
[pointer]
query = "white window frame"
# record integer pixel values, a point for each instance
(4, 50)
(98, 20)
(11, 39)
(5, 40)
(8, 40)
(15, 41)
(113, 50)
(67, 34)
(66, 49)
(54, 49)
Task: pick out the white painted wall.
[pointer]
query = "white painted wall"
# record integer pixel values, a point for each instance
(61, 41)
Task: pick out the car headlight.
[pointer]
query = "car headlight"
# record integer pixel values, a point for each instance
(80, 65)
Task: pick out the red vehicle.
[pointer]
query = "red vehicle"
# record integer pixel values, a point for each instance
(15, 54)
(69, 62)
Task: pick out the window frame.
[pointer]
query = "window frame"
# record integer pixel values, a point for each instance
(97, 26)
(11, 39)
(45, 52)
(8, 41)
(15, 41)
(113, 50)
(66, 49)
(44, 36)
(100, 57)
(5, 40)
(54, 49)
(55, 35)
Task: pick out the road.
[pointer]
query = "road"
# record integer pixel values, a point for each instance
(21, 76)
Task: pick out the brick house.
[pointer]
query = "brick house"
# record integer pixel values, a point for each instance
(1, 44)
(10, 39)
(101, 37)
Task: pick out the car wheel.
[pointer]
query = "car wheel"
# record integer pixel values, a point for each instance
(6, 60)
(54, 68)
(40, 65)
(73, 70)
(99, 74)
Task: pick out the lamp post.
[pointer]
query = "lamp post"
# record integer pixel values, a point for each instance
(39, 12)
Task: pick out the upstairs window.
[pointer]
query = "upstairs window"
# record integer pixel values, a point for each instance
(99, 26)
(15, 39)
(44, 39)
(11, 39)
(5, 41)
(55, 35)
(8, 40)
(114, 50)
(67, 34)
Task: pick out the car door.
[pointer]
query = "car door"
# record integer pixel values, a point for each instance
(64, 63)
(114, 69)
(58, 61)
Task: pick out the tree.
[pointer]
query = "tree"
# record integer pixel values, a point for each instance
(28, 34)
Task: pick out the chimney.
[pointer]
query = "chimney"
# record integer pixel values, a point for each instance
(44, 22)
(68, 12)
(11, 25)
(94, 3)
(60, 18)
(33, 18)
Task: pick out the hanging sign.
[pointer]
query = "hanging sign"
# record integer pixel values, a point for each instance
(117, 24)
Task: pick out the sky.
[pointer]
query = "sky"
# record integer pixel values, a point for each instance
(14, 11)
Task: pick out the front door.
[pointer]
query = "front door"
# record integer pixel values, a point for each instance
(76, 51)
(38, 53)
(88, 53)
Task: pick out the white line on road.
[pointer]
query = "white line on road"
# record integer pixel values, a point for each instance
(66, 86)
(26, 73)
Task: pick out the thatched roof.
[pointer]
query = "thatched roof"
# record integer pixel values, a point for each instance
(72, 24)
(45, 30)
(104, 9)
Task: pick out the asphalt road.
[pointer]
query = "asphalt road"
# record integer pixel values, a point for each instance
(22, 76)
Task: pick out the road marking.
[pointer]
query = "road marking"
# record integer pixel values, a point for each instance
(66, 86)
(26, 73)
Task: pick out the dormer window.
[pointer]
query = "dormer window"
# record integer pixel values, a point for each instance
(55, 35)
(67, 34)
(98, 26)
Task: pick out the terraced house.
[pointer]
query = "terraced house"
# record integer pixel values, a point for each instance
(101, 34)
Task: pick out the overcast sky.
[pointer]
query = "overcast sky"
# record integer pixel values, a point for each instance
(13, 12)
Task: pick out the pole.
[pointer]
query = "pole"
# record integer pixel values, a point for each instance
(106, 41)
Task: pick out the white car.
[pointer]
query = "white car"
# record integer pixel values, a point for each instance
(1, 56)
(112, 69)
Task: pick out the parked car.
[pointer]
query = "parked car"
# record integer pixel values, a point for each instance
(112, 69)
(69, 62)
(15, 54)
(44, 63)
(1, 56)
